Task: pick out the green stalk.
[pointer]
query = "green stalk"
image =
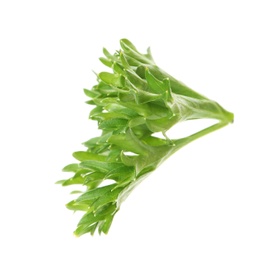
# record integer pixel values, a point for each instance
(183, 141)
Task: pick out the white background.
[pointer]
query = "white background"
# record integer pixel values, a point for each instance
(211, 200)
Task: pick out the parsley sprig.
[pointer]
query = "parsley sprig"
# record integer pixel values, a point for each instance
(130, 104)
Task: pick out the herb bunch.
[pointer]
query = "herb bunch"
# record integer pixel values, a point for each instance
(130, 104)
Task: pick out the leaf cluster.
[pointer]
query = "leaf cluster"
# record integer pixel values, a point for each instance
(130, 104)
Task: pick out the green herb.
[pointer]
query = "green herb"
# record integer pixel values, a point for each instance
(132, 103)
